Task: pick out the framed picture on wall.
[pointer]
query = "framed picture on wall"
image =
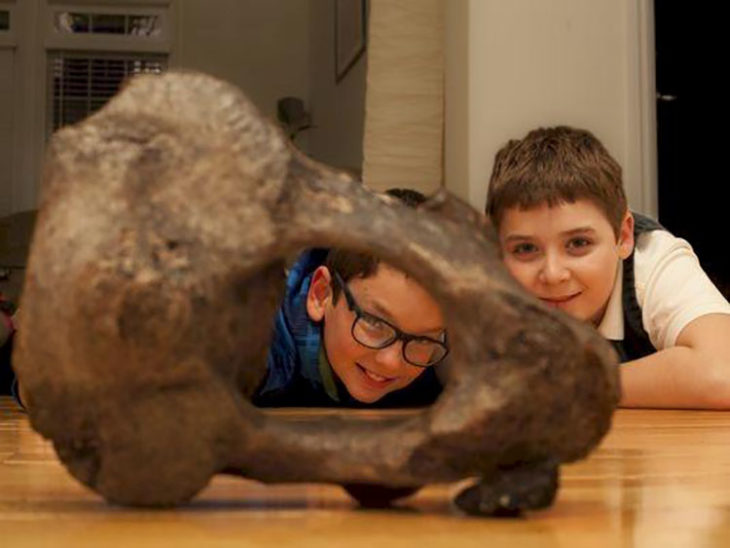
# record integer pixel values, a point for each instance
(350, 34)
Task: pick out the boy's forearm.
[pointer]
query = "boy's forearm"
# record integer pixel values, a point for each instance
(678, 377)
(694, 374)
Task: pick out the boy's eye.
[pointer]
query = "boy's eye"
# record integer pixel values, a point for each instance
(372, 331)
(373, 324)
(579, 245)
(524, 249)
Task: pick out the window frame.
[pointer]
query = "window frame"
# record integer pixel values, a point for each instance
(162, 43)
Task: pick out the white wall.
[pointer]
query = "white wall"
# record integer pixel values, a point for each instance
(338, 109)
(277, 48)
(260, 46)
(513, 66)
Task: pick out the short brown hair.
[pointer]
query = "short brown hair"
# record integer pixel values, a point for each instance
(552, 166)
(352, 264)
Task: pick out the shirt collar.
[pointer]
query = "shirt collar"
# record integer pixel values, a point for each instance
(612, 323)
(327, 375)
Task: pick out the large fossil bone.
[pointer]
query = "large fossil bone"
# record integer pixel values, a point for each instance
(153, 276)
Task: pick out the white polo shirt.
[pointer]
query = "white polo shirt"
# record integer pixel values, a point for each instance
(671, 289)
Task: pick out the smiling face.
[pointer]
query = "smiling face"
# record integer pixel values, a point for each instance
(566, 255)
(370, 374)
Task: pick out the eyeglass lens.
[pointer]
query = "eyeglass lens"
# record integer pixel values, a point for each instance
(374, 333)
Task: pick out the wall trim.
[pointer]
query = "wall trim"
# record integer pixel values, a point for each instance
(641, 169)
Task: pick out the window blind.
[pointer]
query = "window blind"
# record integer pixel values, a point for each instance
(82, 82)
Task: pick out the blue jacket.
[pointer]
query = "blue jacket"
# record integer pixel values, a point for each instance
(298, 374)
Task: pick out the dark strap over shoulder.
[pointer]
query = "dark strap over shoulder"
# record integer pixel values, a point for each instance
(643, 224)
(636, 343)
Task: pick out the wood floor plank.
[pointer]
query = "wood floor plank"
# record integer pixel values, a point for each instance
(660, 478)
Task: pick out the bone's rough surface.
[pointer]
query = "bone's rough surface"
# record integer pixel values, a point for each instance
(154, 273)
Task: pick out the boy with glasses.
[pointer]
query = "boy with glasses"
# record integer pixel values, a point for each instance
(354, 332)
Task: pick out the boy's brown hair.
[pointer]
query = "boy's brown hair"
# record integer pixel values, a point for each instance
(555, 165)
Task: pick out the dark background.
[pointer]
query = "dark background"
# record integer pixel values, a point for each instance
(693, 143)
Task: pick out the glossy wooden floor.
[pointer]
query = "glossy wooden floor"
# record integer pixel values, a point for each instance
(660, 478)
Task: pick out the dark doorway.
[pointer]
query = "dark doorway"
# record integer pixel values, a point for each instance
(693, 145)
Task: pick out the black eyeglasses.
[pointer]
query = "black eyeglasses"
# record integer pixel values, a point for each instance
(377, 333)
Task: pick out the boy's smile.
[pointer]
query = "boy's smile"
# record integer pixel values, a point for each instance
(566, 255)
(377, 381)
(561, 301)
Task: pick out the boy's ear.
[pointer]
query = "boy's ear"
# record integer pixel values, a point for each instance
(319, 294)
(626, 236)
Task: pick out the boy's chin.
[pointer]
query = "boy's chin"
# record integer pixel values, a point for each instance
(366, 396)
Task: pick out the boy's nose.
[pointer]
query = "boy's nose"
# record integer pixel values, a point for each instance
(390, 357)
(553, 270)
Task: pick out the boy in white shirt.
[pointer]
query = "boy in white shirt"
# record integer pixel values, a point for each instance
(556, 198)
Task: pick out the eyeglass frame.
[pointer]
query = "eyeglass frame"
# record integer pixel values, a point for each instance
(399, 335)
